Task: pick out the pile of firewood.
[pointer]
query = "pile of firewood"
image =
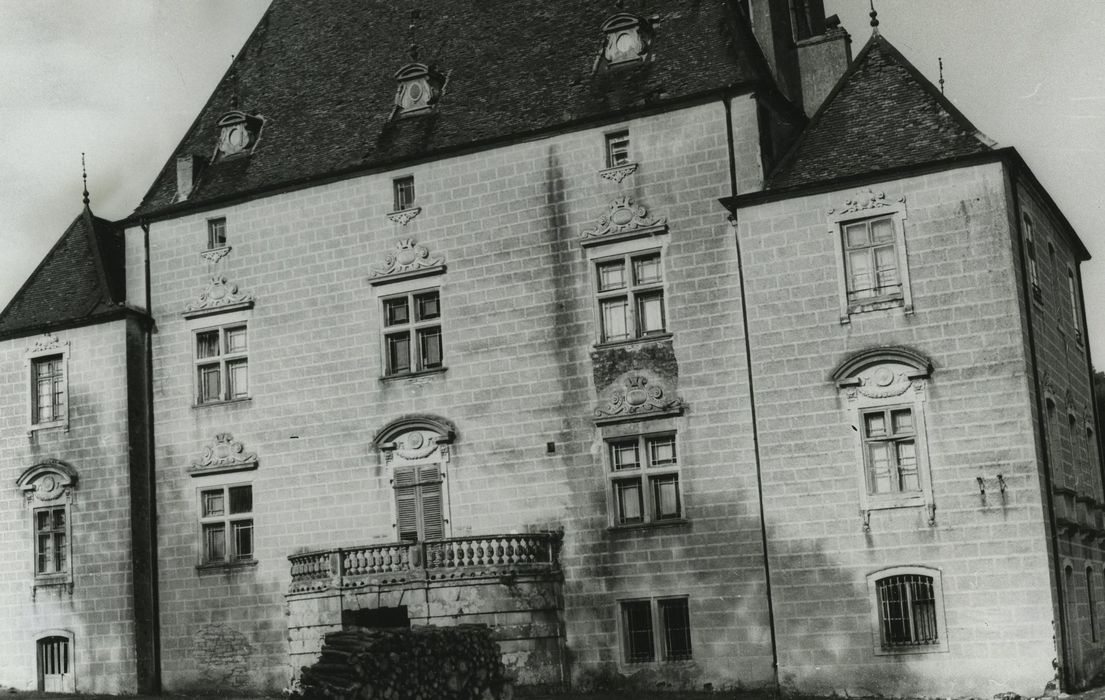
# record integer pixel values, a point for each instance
(421, 663)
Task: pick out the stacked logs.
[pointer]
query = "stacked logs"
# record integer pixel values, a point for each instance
(421, 663)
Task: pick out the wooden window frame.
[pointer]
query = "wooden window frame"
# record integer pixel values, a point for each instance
(881, 646)
(617, 149)
(400, 186)
(893, 437)
(231, 555)
(51, 351)
(633, 292)
(426, 484)
(414, 329)
(660, 650)
(216, 233)
(66, 549)
(222, 361)
(646, 475)
(837, 226)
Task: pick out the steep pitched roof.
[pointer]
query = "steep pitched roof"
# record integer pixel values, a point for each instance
(882, 114)
(81, 280)
(320, 73)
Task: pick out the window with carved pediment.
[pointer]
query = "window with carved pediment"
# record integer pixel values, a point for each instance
(48, 489)
(47, 368)
(416, 450)
(869, 237)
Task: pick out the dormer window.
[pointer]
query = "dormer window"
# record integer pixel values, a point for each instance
(238, 133)
(418, 90)
(627, 39)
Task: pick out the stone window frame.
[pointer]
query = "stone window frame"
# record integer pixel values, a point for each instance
(413, 329)
(224, 482)
(616, 168)
(434, 450)
(49, 484)
(866, 207)
(879, 647)
(887, 378)
(221, 323)
(628, 250)
(657, 631)
(46, 349)
(645, 474)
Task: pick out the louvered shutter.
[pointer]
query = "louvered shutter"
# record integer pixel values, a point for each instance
(406, 504)
(433, 525)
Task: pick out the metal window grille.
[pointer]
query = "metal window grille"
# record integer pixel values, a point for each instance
(675, 620)
(907, 611)
(637, 620)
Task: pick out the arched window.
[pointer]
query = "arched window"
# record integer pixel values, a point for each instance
(416, 448)
(908, 610)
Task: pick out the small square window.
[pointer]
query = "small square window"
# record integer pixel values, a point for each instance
(404, 193)
(644, 492)
(216, 233)
(908, 610)
(413, 344)
(640, 619)
(617, 149)
(226, 524)
(628, 311)
(222, 366)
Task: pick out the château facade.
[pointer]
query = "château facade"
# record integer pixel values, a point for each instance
(672, 343)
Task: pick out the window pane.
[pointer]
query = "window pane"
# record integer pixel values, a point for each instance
(637, 618)
(236, 339)
(615, 321)
(855, 235)
(650, 313)
(886, 269)
(214, 542)
(207, 344)
(212, 503)
(210, 384)
(860, 277)
(395, 311)
(675, 620)
(241, 499)
(42, 519)
(60, 552)
(242, 537)
(59, 519)
(647, 270)
(624, 455)
(878, 467)
(399, 353)
(661, 450)
(902, 420)
(427, 306)
(611, 276)
(617, 149)
(429, 348)
(874, 424)
(237, 379)
(882, 230)
(44, 560)
(628, 498)
(907, 466)
(665, 493)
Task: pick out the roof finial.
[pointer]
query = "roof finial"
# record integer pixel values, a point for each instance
(941, 60)
(874, 19)
(84, 177)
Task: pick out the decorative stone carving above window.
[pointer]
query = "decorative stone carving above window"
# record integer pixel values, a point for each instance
(407, 260)
(48, 481)
(220, 295)
(619, 173)
(883, 373)
(214, 255)
(624, 220)
(416, 438)
(238, 133)
(46, 344)
(864, 201)
(419, 89)
(224, 454)
(404, 216)
(638, 397)
(628, 38)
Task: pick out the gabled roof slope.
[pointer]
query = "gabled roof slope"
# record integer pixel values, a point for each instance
(321, 74)
(79, 281)
(882, 114)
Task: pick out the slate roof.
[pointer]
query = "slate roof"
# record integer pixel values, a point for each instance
(81, 280)
(882, 114)
(320, 72)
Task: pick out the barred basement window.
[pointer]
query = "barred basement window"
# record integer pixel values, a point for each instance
(222, 371)
(48, 376)
(631, 297)
(418, 504)
(412, 333)
(639, 619)
(644, 480)
(226, 524)
(909, 610)
(51, 540)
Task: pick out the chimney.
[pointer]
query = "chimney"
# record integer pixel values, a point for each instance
(187, 172)
(822, 60)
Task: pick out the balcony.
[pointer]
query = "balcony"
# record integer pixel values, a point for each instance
(486, 556)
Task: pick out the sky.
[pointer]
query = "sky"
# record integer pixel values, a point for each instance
(122, 80)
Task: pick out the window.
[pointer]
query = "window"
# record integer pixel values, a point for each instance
(631, 297)
(1090, 601)
(907, 611)
(890, 451)
(418, 503)
(670, 616)
(644, 480)
(216, 233)
(871, 260)
(403, 188)
(412, 332)
(222, 370)
(226, 524)
(617, 149)
(51, 540)
(1072, 290)
(627, 38)
(1030, 247)
(48, 376)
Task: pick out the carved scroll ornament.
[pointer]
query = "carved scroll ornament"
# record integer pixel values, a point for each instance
(637, 398)
(624, 220)
(407, 260)
(219, 295)
(225, 454)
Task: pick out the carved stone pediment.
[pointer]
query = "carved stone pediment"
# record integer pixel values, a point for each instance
(224, 454)
(219, 295)
(635, 398)
(49, 480)
(407, 260)
(866, 200)
(624, 220)
(885, 381)
(46, 344)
